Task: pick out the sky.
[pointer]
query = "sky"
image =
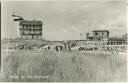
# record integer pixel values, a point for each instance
(65, 20)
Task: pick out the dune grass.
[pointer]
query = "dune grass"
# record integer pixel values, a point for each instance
(47, 66)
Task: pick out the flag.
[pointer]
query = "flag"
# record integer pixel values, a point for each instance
(18, 19)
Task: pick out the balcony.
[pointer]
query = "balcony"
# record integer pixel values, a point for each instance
(33, 33)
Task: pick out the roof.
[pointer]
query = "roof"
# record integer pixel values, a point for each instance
(34, 22)
(125, 36)
(100, 31)
(117, 39)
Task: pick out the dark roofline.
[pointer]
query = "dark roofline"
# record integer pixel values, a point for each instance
(100, 30)
(116, 38)
(33, 22)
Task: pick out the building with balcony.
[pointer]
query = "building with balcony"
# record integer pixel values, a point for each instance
(30, 29)
(99, 37)
(122, 40)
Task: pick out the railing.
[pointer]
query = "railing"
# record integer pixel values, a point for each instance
(32, 33)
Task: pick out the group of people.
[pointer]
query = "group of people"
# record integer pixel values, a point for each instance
(113, 50)
(60, 47)
(57, 47)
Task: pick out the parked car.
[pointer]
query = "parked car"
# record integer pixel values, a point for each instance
(75, 48)
(89, 47)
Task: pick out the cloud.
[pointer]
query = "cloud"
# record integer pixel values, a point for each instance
(65, 20)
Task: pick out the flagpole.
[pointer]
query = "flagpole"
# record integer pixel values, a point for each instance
(17, 19)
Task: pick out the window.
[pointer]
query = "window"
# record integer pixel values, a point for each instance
(99, 39)
(96, 33)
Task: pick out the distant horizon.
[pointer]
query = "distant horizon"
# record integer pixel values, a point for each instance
(66, 20)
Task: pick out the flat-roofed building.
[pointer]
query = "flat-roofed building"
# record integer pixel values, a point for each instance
(30, 29)
(100, 37)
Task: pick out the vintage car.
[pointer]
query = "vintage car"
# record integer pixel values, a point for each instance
(89, 47)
